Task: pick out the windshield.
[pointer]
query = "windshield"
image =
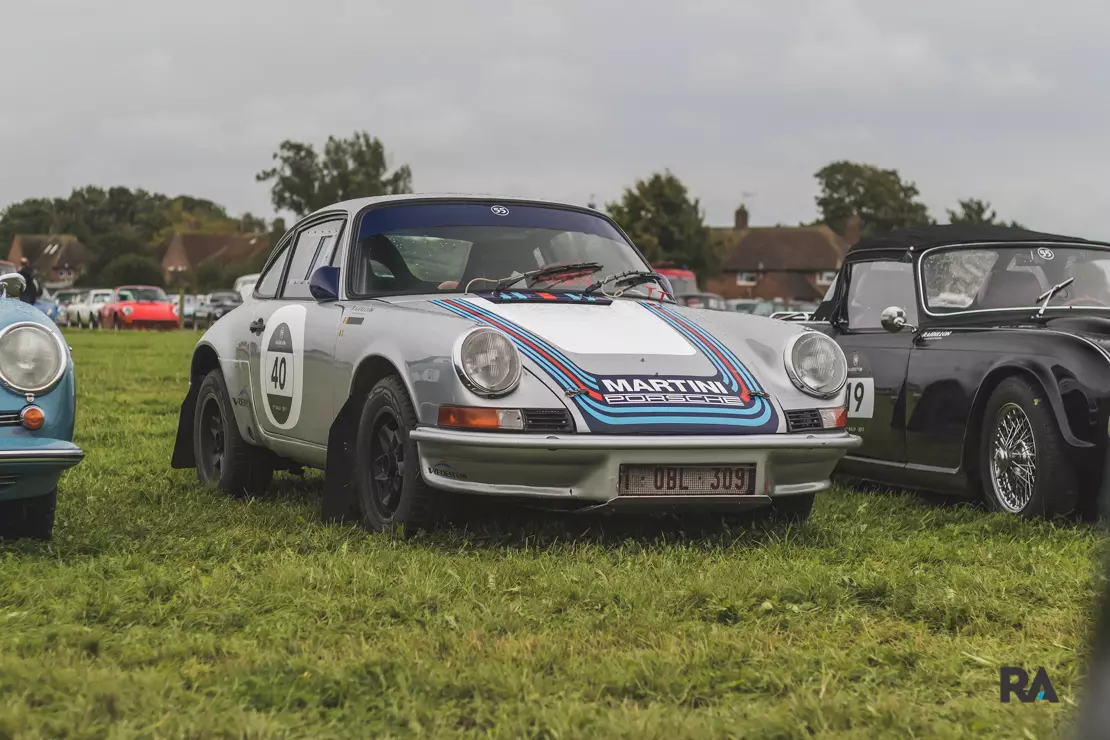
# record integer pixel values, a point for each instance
(142, 294)
(457, 247)
(1011, 277)
(225, 298)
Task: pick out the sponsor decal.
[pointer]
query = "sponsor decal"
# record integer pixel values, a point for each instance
(444, 470)
(541, 297)
(499, 210)
(935, 334)
(1045, 253)
(359, 308)
(729, 401)
(242, 398)
(353, 320)
(281, 368)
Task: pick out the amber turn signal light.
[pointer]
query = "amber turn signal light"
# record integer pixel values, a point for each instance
(32, 417)
(834, 418)
(466, 417)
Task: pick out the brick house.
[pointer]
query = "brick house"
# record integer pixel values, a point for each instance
(791, 263)
(188, 251)
(59, 259)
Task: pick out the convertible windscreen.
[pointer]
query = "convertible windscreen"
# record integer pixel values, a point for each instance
(143, 294)
(1013, 277)
(472, 247)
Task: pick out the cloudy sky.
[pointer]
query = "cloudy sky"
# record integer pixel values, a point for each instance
(743, 99)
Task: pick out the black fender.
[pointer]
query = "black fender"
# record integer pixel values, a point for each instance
(1029, 367)
(204, 361)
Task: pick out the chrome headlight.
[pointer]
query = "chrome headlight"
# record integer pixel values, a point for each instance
(127, 310)
(815, 364)
(32, 358)
(487, 362)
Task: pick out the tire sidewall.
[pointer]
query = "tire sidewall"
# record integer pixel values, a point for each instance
(381, 399)
(212, 388)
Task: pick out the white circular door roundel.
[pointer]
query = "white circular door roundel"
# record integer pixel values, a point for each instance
(282, 366)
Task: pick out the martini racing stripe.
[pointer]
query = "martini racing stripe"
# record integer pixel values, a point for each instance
(652, 410)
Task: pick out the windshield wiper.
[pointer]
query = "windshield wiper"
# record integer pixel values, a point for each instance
(625, 280)
(564, 272)
(1048, 294)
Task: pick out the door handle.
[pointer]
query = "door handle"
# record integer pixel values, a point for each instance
(257, 326)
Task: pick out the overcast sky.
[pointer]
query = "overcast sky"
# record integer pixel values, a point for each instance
(744, 100)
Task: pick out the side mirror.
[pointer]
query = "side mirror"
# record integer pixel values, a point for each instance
(324, 284)
(5, 278)
(893, 319)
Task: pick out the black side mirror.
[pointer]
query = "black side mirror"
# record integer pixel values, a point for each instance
(324, 284)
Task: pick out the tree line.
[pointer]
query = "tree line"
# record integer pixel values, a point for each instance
(128, 230)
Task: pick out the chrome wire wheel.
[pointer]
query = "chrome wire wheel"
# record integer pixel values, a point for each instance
(1013, 458)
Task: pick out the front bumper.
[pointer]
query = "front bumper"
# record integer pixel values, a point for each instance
(34, 469)
(584, 468)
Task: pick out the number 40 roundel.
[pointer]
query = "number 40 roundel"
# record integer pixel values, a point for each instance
(281, 366)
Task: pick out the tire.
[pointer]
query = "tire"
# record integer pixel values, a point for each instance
(1023, 462)
(116, 325)
(389, 487)
(222, 456)
(28, 518)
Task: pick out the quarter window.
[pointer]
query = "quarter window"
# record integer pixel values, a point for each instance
(267, 285)
(873, 286)
(310, 244)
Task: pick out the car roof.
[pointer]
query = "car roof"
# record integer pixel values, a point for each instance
(920, 237)
(357, 204)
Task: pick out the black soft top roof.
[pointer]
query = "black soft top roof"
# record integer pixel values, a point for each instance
(919, 237)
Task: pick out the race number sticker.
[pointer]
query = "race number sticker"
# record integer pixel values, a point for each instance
(282, 366)
(861, 398)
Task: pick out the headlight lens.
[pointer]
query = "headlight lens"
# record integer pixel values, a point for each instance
(487, 362)
(815, 364)
(31, 358)
(127, 310)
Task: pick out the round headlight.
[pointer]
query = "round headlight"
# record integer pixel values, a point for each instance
(127, 310)
(815, 364)
(487, 362)
(32, 359)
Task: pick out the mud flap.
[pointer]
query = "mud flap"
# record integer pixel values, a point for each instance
(183, 455)
(338, 503)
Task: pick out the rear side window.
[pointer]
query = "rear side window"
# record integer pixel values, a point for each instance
(267, 285)
(310, 251)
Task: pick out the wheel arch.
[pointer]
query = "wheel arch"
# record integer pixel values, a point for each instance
(1050, 385)
(205, 359)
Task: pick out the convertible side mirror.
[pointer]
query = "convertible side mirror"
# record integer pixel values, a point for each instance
(324, 284)
(893, 319)
(11, 276)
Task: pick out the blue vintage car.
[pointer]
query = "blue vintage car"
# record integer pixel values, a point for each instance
(37, 401)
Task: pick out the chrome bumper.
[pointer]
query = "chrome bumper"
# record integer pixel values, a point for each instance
(586, 467)
(59, 457)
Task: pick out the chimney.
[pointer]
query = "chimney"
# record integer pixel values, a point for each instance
(851, 230)
(741, 221)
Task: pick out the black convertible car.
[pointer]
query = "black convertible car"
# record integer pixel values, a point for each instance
(978, 360)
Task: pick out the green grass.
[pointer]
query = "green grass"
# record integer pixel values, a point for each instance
(163, 609)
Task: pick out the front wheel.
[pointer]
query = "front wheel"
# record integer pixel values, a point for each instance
(28, 518)
(390, 489)
(222, 456)
(1023, 462)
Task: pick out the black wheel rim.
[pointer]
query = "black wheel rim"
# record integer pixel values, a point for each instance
(212, 439)
(387, 464)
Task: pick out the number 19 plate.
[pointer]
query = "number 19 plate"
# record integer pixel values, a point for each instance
(689, 480)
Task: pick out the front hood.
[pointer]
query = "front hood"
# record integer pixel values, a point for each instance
(1095, 327)
(642, 367)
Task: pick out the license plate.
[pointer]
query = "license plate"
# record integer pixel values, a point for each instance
(686, 480)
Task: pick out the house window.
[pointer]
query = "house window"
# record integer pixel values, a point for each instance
(826, 278)
(746, 278)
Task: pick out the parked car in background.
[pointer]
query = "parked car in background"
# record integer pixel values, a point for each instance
(188, 315)
(681, 280)
(711, 301)
(216, 305)
(139, 307)
(85, 311)
(7, 268)
(244, 281)
(978, 360)
(37, 401)
(792, 315)
(419, 346)
(756, 306)
(48, 305)
(64, 299)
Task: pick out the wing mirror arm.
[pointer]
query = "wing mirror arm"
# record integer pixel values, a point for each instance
(893, 319)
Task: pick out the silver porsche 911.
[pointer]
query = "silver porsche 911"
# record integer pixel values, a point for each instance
(415, 347)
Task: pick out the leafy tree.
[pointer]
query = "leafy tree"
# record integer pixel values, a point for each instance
(666, 224)
(132, 269)
(304, 181)
(880, 197)
(975, 211)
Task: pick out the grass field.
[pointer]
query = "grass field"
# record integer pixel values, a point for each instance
(163, 609)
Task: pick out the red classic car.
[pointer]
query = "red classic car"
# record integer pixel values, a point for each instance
(139, 307)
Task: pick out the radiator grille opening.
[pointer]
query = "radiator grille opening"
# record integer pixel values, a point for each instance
(804, 420)
(547, 420)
